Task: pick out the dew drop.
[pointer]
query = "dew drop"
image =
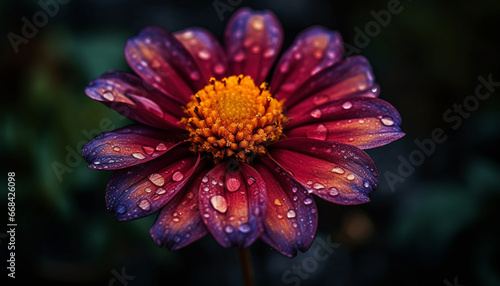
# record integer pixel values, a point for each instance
(145, 205)
(366, 184)
(387, 121)
(316, 113)
(160, 191)
(177, 176)
(157, 179)
(204, 54)
(347, 105)
(121, 209)
(318, 186)
(117, 149)
(219, 68)
(333, 192)
(245, 228)
(290, 214)
(228, 229)
(214, 182)
(190, 195)
(338, 170)
(147, 190)
(320, 99)
(139, 156)
(308, 201)
(233, 184)
(219, 203)
(279, 216)
(161, 147)
(350, 177)
(269, 53)
(205, 179)
(294, 189)
(320, 133)
(277, 202)
(176, 219)
(148, 150)
(108, 95)
(251, 181)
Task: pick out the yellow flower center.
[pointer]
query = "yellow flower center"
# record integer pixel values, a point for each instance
(233, 118)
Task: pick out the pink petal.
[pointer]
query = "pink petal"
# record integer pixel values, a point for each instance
(292, 215)
(314, 49)
(253, 41)
(160, 59)
(346, 79)
(336, 172)
(206, 52)
(362, 122)
(179, 222)
(129, 146)
(141, 190)
(130, 96)
(233, 203)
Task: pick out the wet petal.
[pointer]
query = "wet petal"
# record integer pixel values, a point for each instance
(141, 190)
(364, 123)
(253, 40)
(130, 96)
(346, 79)
(292, 216)
(233, 204)
(206, 52)
(160, 59)
(128, 146)
(314, 49)
(336, 172)
(179, 222)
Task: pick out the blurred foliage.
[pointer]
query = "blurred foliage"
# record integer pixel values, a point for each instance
(441, 223)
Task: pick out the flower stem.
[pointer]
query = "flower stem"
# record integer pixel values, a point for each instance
(246, 266)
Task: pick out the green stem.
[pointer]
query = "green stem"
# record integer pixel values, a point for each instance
(246, 266)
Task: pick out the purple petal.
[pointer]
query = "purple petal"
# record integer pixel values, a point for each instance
(141, 190)
(160, 59)
(128, 146)
(179, 222)
(346, 79)
(314, 49)
(130, 96)
(233, 203)
(336, 172)
(362, 122)
(253, 41)
(206, 52)
(292, 215)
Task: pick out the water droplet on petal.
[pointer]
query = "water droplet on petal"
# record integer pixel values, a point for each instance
(347, 105)
(205, 179)
(245, 228)
(318, 186)
(251, 181)
(195, 75)
(177, 176)
(333, 192)
(290, 214)
(157, 179)
(338, 170)
(161, 147)
(139, 156)
(320, 99)
(240, 56)
(219, 68)
(387, 121)
(148, 150)
(279, 216)
(320, 133)
(147, 190)
(219, 203)
(145, 205)
(269, 53)
(204, 54)
(160, 191)
(121, 209)
(277, 202)
(350, 177)
(117, 149)
(316, 113)
(108, 95)
(366, 184)
(233, 184)
(308, 201)
(228, 229)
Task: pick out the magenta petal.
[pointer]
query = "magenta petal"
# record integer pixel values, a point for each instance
(128, 146)
(179, 222)
(233, 203)
(253, 41)
(160, 59)
(206, 52)
(130, 96)
(362, 122)
(313, 50)
(336, 172)
(141, 190)
(292, 216)
(346, 79)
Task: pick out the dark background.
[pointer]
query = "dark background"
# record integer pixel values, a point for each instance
(440, 226)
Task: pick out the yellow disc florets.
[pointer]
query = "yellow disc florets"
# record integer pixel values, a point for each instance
(233, 118)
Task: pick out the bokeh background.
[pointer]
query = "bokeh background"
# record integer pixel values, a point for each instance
(440, 226)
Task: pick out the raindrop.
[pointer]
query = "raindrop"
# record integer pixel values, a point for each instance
(121, 209)
(350, 177)
(245, 228)
(228, 229)
(204, 54)
(333, 192)
(219, 203)
(157, 179)
(145, 205)
(139, 156)
(251, 181)
(214, 182)
(279, 216)
(338, 170)
(147, 190)
(161, 147)
(205, 179)
(308, 201)
(316, 113)
(160, 191)
(177, 176)
(148, 150)
(366, 184)
(290, 214)
(277, 202)
(176, 219)
(320, 133)
(320, 99)
(318, 186)
(233, 184)
(108, 95)
(269, 53)
(347, 105)
(387, 121)
(219, 68)
(361, 121)
(117, 149)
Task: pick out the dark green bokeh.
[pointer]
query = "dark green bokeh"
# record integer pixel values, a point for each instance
(440, 223)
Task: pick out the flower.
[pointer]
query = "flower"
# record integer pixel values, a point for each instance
(220, 151)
